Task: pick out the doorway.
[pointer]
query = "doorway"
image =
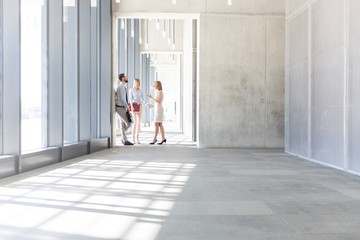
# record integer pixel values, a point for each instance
(160, 48)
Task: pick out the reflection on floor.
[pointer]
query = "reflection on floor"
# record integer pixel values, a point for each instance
(181, 192)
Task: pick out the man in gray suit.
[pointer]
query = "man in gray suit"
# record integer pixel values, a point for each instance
(122, 107)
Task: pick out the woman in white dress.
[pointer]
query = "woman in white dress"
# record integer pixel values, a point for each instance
(159, 112)
(135, 99)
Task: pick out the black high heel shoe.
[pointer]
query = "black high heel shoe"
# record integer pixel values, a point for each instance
(152, 143)
(163, 141)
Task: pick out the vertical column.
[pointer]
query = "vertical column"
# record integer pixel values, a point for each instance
(105, 68)
(55, 79)
(145, 85)
(11, 77)
(84, 70)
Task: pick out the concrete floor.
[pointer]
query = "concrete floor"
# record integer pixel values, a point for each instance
(181, 192)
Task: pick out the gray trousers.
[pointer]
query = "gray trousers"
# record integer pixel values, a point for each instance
(124, 123)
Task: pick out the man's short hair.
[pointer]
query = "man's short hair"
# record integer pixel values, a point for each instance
(121, 76)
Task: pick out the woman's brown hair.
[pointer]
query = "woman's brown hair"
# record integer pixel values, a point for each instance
(159, 85)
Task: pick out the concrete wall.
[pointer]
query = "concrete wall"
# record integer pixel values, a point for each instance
(241, 81)
(322, 82)
(241, 68)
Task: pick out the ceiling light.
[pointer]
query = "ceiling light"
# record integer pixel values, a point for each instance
(173, 28)
(140, 34)
(147, 35)
(158, 24)
(132, 32)
(164, 33)
(122, 24)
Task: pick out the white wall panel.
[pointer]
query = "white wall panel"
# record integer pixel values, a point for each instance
(293, 5)
(354, 139)
(331, 125)
(298, 85)
(327, 132)
(298, 109)
(327, 24)
(327, 136)
(298, 134)
(328, 79)
(298, 37)
(354, 86)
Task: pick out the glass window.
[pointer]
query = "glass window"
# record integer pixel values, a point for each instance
(70, 71)
(94, 69)
(1, 79)
(33, 74)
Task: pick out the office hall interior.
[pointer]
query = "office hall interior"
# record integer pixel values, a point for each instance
(261, 116)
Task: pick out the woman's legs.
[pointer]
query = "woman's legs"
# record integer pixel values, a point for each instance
(139, 114)
(156, 131)
(162, 131)
(136, 126)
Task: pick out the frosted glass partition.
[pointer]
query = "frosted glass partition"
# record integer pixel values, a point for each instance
(330, 30)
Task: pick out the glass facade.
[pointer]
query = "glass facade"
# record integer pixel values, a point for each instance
(33, 75)
(70, 63)
(55, 100)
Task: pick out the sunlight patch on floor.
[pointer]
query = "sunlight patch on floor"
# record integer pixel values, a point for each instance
(94, 198)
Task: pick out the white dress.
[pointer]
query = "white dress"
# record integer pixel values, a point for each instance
(158, 108)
